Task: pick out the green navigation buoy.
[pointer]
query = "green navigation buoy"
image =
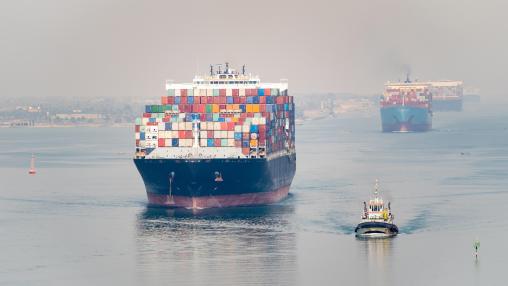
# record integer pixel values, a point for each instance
(476, 247)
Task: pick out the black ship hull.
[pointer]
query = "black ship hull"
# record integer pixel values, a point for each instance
(205, 183)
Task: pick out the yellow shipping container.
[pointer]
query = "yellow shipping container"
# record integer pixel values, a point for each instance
(234, 119)
(253, 143)
(255, 108)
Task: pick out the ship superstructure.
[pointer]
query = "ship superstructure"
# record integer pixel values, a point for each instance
(225, 139)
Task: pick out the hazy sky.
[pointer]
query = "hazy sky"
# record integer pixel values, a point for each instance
(128, 48)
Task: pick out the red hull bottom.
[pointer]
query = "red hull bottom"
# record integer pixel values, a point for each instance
(249, 199)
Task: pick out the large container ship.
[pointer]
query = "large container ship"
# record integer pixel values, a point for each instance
(447, 95)
(225, 139)
(406, 107)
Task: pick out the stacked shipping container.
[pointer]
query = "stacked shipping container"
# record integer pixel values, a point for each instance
(260, 121)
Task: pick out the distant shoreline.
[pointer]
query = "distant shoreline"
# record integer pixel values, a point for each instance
(116, 125)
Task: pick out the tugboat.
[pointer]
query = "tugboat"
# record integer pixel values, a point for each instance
(377, 221)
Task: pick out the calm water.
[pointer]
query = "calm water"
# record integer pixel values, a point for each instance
(83, 220)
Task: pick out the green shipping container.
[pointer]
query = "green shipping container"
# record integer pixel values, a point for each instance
(224, 142)
(190, 92)
(215, 92)
(216, 117)
(138, 121)
(209, 108)
(274, 92)
(171, 92)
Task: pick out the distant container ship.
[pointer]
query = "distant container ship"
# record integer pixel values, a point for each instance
(406, 107)
(223, 140)
(447, 95)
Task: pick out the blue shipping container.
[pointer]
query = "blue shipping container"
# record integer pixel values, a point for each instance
(229, 100)
(209, 142)
(167, 126)
(261, 91)
(174, 142)
(148, 108)
(253, 129)
(142, 135)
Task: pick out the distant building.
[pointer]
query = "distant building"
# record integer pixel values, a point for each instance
(79, 116)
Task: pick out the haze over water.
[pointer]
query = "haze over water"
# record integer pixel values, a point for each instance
(83, 219)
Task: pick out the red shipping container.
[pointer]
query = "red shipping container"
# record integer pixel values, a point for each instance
(188, 134)
(262, 99)
(161, 142)
(166, 119)
(137, 142)
(231, 126)
(238, 143)
(147, 115)
(223, 126)
(245, 136)
(267, 92)
(216, 142)
(236, 100)
(236, 92)
(164, 100)
(183, 92)
(183, 99)
(152, 123)
(245, 151)
(216, 100)
(209, 134)
(197, 99)
(181, 134)
(209, 100)
(222, 92)
(222, 100)
(136, 128)
(222, 106)
(202, 116)
(262, 108)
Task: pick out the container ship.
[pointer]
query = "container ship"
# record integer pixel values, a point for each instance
(226, 139)
(406, 107)
(447, 95)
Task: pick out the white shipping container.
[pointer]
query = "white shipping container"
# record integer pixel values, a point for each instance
(177, 92)
(188, 126)
(203, 134)
(137, 136)
(216, 126)
(142, 143)
(142, 128)
(262, 121)
(203, 142)
(161, 126)
(181, 125)
(168, 142)
(229, 92)
(217, 134)
(246, 128)
(181, 115)
(255, 121)
(209, 92)
(174, 134)
(224, 134)
(231, 134)
(238, 128)
(242, 92)
(231, 142)
(144, 120)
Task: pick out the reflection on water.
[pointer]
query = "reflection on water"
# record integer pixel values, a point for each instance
(378, 252)
(215, 245)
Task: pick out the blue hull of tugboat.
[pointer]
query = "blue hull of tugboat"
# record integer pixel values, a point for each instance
(375, 228)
